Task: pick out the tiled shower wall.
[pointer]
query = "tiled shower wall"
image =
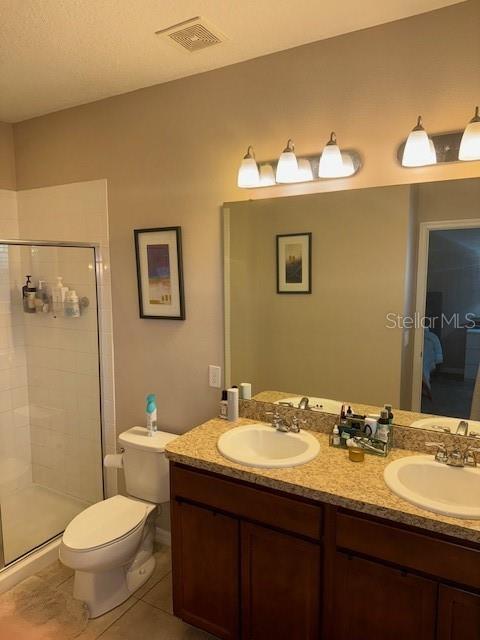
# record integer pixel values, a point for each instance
(64, 435)
(63, 382)
(15, 444)
(62, 353)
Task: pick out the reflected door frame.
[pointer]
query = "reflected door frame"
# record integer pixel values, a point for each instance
(421, 296)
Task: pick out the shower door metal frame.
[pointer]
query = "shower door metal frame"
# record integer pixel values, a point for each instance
(98, 263)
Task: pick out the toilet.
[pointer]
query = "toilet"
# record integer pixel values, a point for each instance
(110, 544)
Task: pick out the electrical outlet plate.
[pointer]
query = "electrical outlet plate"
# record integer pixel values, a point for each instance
(215, 376)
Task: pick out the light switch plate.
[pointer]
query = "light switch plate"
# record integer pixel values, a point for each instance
(214, 376)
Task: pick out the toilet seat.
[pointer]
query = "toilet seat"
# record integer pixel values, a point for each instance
(105, 523)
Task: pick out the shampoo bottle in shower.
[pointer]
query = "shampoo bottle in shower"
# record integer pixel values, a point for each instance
(72, 306)
(59, 292)
(41, 298)
(28, 293)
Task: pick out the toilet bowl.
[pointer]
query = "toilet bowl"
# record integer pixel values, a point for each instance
(110, 544)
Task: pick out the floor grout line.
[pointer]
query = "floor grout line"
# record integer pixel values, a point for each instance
(116, 620)
(120, 617)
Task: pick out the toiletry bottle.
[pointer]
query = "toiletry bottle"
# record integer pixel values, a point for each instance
(58, 296)
(151, 412)
(245, 390)
(336, 436)
(383, 427)
(232, 401)
(349, 412)
(72, 306)
(388, 407)
(41, 298)
(224, 406)
(28, 293)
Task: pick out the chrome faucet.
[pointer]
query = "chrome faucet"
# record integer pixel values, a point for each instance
(462, 428)
(454, 457)
(303, 404)
(280, 424)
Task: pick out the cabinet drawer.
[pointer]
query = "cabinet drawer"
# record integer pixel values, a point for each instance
(258, 504)
(447, 560)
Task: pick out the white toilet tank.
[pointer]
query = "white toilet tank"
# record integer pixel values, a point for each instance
(145, 464)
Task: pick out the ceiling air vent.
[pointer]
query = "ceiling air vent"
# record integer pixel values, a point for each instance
(193, 35)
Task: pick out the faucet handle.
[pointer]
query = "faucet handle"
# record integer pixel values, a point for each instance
(296, 422)
(275, 416)
(441, 455)
(469, 458)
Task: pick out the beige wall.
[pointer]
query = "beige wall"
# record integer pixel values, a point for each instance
(7, 157)
(170, 154)
(333, 342)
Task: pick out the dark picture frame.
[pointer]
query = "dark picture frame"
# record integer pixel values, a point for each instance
(159, 261)
(294, 263)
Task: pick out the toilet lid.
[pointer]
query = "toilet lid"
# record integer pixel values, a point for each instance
(105, 522)
(138, 438)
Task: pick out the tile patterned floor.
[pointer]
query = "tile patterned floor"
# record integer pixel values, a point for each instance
(147, 614)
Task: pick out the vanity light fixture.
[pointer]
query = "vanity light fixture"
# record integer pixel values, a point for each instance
(333, 162)
(287, 166)
(267, 175)
(248, 175)
(305, 173)
(419, 150)
(470, 144)
(289, 169)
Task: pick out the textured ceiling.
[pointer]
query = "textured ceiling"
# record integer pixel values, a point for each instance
(60, 53)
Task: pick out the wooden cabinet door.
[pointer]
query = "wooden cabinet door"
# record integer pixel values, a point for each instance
(458, 615)
(205, 554)
(280, 585)
(374, 601)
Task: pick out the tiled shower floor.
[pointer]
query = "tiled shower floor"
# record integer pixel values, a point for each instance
(33, 515)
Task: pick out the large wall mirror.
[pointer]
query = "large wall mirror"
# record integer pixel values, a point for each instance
(379, 299)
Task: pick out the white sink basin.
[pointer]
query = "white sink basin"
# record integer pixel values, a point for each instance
(260, 445)
(315, 404)
(442, 424)
(431, 485)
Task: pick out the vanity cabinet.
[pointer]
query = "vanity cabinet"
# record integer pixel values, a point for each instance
(458, 614)
(370, 597)
(248, 565)
(205, 557)
(280, 577)
(251, 563)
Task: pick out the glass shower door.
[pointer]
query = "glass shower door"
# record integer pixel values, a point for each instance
(50, 417)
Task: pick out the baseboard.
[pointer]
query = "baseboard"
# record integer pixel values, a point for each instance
(29, 565)
(163, 537)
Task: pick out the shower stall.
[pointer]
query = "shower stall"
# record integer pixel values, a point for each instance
(50, 392)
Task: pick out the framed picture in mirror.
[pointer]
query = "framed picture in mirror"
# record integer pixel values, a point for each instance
(160, 273)
(294, 263)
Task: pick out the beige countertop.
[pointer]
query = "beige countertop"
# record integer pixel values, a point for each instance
(330, 478)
